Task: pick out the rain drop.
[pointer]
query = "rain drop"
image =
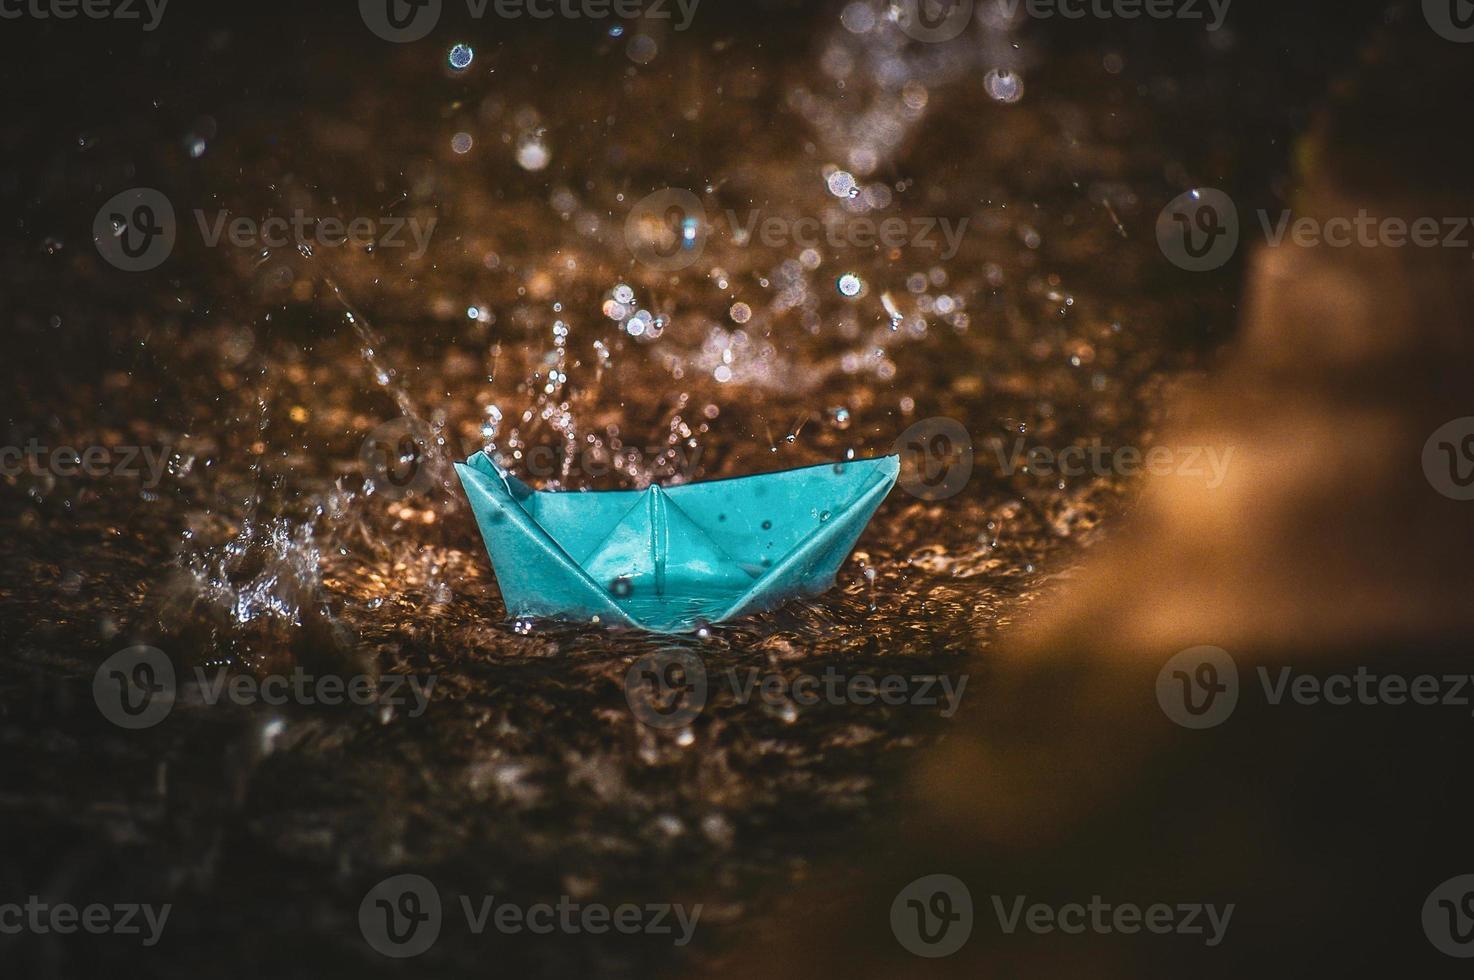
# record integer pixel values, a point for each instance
(533, 155)
(1003, 85)
(461, 56)
(842, 184)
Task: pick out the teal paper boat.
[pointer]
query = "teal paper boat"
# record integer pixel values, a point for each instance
(669, 560)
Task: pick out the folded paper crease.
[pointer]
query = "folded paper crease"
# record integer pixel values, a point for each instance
(671, 559)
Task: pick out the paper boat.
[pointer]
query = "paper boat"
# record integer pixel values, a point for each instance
(669, 560)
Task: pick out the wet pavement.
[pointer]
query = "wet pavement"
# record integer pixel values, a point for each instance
(280, 409)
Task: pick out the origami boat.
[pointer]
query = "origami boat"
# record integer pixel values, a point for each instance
(669, 560)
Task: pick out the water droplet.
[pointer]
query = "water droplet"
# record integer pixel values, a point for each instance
(533, 155)
(462, 142)
(622, 587)
(1003, 85)
(839, 417)
(767, 525)
(842, 184)
(858, 18)
(850, 284)
(461, 56)
(740, 312)
(642, 49)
